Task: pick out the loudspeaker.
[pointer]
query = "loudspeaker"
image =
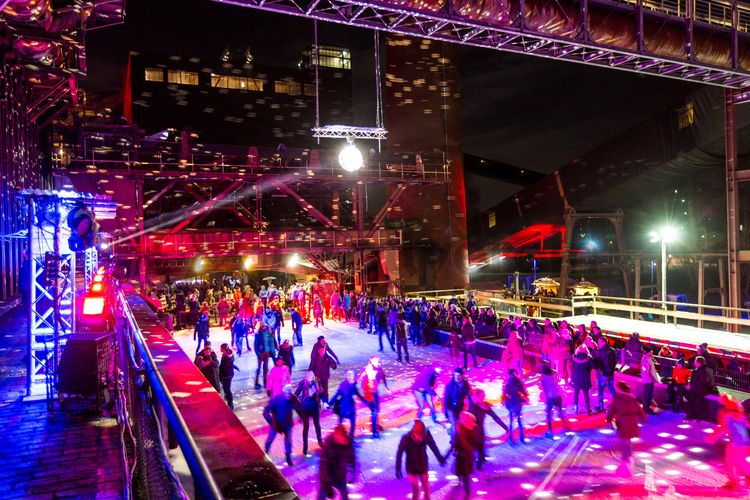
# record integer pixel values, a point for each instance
(85, 364)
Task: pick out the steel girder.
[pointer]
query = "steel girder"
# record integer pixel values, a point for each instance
(449, 25)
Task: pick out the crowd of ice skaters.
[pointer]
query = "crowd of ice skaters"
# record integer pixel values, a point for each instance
(571, 357)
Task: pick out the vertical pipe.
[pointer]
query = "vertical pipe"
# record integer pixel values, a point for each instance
(32, 300)
(637, 291)
(664, 264)
(689, 8)
(730, 138)
(701, 287)
(639, 26)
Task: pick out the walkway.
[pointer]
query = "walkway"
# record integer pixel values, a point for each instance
(673, 459)
(50, 455)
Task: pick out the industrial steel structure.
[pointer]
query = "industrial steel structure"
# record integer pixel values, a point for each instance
(697, 40)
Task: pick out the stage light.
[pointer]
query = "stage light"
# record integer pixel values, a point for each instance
(350, 158)
(199, 264)
(248, 263)
(293, 260)
(104, 246)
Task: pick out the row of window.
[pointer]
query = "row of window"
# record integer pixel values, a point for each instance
(181, 77)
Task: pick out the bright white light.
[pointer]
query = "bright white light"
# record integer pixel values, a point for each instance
(199, 265)
(248, 262)
(293, 261)
(104, 246)
(350, 158)
(668, 234)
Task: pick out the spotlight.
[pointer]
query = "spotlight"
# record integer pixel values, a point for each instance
(293, 260)
(199, 264)
(248, 262)
(350, 158)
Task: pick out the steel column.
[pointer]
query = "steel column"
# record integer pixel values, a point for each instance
(732, 201)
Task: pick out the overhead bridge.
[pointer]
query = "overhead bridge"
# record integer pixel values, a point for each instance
(704, 41)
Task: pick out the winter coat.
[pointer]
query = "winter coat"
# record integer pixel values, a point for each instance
(335, 460)
(626, 412)
(605, 359)
(648, 370)
(455, 394)
(309, 394)
(210, 370)
(227, 367)
(468, 333)
(201, 327)
(581, 377)
(287, 354)
(279, 412)
(702, 382)
(278, 377)
(514, 393)
(425, 381)
(466, 443)
(416, 453)
(344, 398)
(321, 366)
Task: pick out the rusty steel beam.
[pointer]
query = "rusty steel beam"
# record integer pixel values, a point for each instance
(306, 206)
(205, 207)
(161, 193)
(392, 199)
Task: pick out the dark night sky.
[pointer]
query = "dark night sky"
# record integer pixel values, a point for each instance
(520, 110)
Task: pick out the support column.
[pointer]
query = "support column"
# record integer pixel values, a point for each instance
(637, 280)
(623, 261)
(722, 283)
(140, 223)
(358, 212)
(701, 288)
(732, 188)
(565, 265)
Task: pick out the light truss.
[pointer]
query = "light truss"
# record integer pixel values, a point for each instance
(349, 132)
(447, 24)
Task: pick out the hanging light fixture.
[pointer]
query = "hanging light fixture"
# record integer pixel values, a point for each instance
(350, 158)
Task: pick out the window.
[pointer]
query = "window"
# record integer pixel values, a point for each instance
(154, 75)
(182, 77)
(331, 57)
(236, 82)
(287, 87)
(492, 220)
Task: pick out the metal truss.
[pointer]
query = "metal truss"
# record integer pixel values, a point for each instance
(52, 299)
(349, 132)
(231, 243)
(53, 278)
(446, 23)
(90, 266)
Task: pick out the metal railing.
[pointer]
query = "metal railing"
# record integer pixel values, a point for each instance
(713, 12)
(675, 312)
(147, 387)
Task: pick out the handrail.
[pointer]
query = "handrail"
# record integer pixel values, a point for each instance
(204, 480)
(616, 304)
